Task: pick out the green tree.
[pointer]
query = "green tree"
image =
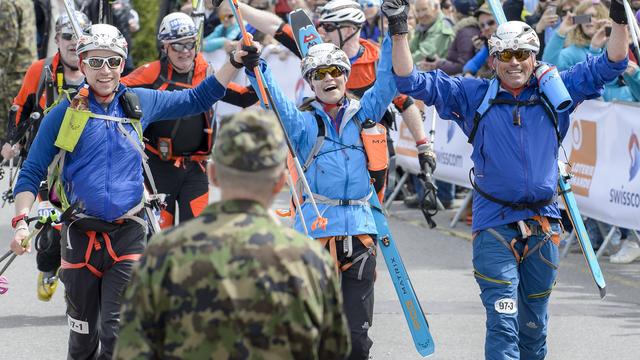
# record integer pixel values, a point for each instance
(145, 49)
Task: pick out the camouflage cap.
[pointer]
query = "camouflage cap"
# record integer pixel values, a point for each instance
(250, 141)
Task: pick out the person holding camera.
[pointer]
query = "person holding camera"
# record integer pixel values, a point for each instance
(585, 34)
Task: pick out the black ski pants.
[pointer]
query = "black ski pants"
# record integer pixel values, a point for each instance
(94, 283)
(186, 184)
(357, 292)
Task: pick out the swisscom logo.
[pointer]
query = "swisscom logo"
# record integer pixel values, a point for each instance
(620, 195)
(634, 155)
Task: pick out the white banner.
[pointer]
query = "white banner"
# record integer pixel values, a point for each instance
(602, 145)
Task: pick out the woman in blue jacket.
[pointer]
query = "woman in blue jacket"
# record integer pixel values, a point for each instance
(586, 40)
(515, 151)
(98, 136)
(337, 173)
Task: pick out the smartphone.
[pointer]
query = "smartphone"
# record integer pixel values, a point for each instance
(552, 9)
(581, 19)
(607, 30)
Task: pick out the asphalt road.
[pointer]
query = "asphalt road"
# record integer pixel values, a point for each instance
(439, 263)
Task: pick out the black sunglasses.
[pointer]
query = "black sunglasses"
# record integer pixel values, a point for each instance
(67, 36)
(328, 27)
(179, 47)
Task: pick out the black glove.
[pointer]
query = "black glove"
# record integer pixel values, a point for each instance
(427, 158)
(252, 59)
(617, 13)
(396, 11)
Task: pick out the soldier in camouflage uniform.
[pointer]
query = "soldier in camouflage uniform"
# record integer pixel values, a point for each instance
(17, 50)
(233, 283)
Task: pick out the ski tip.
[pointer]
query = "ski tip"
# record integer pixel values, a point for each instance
(603, 292)
(426, 350)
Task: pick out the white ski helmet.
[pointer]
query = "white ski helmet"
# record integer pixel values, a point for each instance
(514, 35)
(323, 55)
(102, 37)
(177, 26)
(63, 24)
(342, 11)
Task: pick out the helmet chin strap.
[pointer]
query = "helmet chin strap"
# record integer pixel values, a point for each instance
(342, 42)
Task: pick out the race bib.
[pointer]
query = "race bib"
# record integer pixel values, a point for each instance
(46, 209)
(81, 327)
(506, 306)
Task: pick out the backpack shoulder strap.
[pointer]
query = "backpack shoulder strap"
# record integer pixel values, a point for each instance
(322, 133)
(553, 114)
(491, 93)
(163, 76)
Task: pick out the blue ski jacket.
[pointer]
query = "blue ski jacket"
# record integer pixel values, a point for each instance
(104, 171)
(512, 163)
(339, 171)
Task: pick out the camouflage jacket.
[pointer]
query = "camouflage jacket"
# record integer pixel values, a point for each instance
(17, 36)
(233, 284)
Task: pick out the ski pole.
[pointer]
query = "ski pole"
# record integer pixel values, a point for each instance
(267, 100)
(633, 26)
(197, 14)
(296, 201)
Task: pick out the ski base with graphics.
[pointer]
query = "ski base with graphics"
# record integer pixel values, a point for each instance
(402, 283)
(565, 192)
(304, 33)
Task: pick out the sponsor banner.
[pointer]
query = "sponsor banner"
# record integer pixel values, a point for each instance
(602, 144)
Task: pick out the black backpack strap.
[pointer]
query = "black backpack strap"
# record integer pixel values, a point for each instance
(322, 134)
(534, 206)
(163, 77)
(553, 114)
(491, 93)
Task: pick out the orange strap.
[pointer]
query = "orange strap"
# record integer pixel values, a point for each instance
(178, 159)
(546, 227)
(366, 240)
(93, 244)
(331, 240)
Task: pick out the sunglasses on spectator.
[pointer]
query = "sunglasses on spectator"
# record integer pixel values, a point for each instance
(320, 74)
(97, 63)
(226, 17)
(180, 47)
(67, 36)
(367, 5)
(487, 24)
(507, 55)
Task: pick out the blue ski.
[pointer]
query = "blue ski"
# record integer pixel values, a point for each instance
(411, 307)
(305, 34)
(564, 189)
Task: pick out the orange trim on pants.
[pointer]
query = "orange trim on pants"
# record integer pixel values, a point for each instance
(166, 219)
(198, 204)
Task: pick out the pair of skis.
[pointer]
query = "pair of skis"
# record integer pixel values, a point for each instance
(306, 36)
(565, 192)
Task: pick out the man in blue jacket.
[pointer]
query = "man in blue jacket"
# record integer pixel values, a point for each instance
(336, 168)
(515, 152)
(97, 136)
